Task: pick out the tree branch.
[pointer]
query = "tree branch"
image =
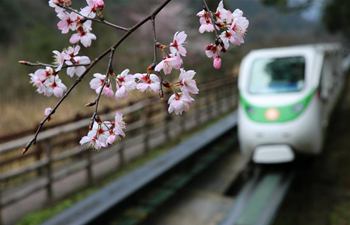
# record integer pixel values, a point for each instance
(93, 63)
(108, 72)
(27, 63)
(155, 49)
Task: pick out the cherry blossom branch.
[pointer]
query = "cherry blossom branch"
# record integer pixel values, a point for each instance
(155, 49)
(93, 63)
(27, 63)
(100, 20)
(155, 55)
(108, 72)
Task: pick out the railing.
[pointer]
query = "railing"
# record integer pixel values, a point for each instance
(57, 160)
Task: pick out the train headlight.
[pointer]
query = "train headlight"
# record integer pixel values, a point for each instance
(272, 114)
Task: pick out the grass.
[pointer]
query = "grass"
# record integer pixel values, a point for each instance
(40, 216)
(14, 119)
(340, 215)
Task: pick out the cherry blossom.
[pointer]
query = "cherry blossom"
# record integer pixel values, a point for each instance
(116, 129)
(179, 102)
(235, 33)
(71, 58)
(83, 35)
(92, 7)
(239, 27)
(78, 70)
(169, 63)
(227, 37)
(47, 82)
(59, 59)
(47, 111)
(55, 3)
(125, 82)
(119, 124)
(97, 136)
(223, 16)
(176, 47)
(104, 133)
(187, 83)
(58, 88)
(68, 21)
(38, 79)
(97, 83)
(71, 52)
(147, 82)
(213, 50)
(205, 21)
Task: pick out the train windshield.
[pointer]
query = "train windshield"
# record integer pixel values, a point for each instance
(277, 75)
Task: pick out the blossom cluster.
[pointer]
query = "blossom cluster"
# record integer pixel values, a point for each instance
(47, 82)
(119, 85)
(77, 22)
(104, 133)
(124, 83)
(232, 25)
(181, 99)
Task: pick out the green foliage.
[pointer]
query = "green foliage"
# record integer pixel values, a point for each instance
(336, 13)
(40, 216)
(340, 215)
(285, 5)
(336, 16)
(279, 3)
(8, 9)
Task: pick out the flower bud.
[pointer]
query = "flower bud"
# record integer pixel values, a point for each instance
(217, 62)
(99, 4)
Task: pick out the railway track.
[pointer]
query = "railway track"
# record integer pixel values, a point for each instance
(258, 201)
(151, 192)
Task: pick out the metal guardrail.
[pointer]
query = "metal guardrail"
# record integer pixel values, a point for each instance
(57, 156)
(87, 210)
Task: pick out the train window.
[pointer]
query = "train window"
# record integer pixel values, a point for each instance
(276, 75)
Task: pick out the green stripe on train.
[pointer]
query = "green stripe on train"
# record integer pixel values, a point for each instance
(286, 112)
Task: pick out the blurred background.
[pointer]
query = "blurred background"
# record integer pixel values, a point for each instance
(28, 32)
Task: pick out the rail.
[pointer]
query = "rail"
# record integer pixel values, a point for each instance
(57, 157)
(258, 201)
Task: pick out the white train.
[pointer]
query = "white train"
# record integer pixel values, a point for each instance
(286, 98)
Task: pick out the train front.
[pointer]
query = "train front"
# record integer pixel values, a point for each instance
(278, 111)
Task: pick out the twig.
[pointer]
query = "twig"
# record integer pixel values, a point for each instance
(108, 72)
(26, 63)
(155, 55)
(103, 21)
(96, 60)
(155, 49)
